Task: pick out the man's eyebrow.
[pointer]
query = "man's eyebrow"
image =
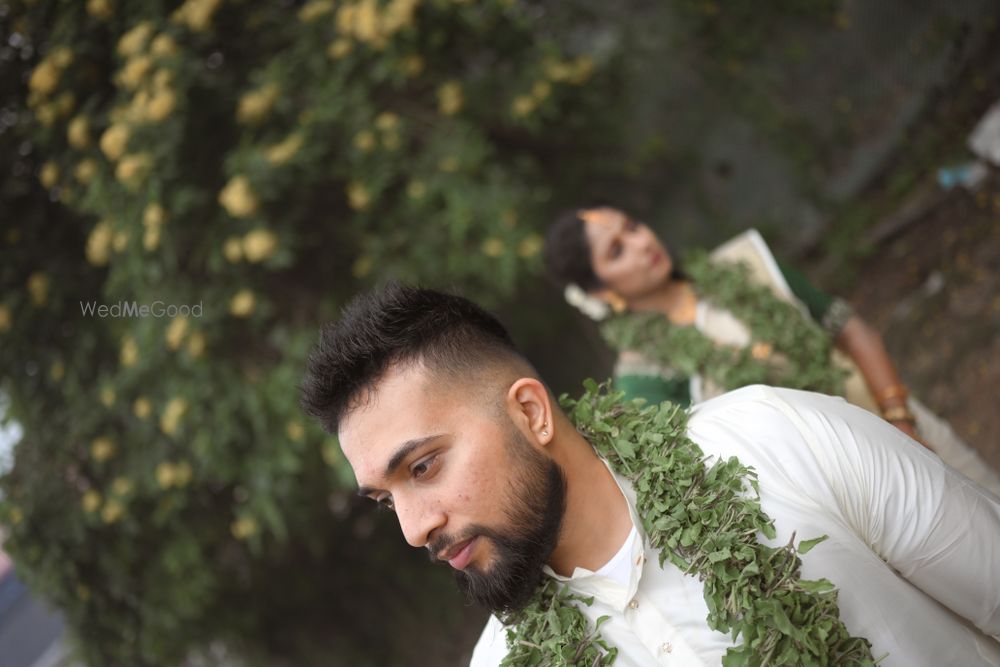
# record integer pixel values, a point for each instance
(397, 459)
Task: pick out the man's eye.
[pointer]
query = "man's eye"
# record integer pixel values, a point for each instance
(424, 468)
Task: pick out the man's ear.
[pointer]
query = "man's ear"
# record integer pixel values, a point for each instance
(531, 410)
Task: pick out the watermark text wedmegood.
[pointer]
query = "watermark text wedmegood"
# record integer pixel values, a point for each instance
(136, 309)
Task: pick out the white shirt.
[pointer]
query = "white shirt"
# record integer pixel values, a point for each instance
(913, 546)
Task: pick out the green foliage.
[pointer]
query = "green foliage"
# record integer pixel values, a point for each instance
(241, 169)
(703, 520)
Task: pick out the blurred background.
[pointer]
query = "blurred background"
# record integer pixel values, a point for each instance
(243, 168)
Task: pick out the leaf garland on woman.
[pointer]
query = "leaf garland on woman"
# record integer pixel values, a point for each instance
(797, 351)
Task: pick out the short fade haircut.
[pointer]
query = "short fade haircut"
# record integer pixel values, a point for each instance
(393, 325)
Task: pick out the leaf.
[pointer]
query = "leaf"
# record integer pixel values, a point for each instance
(805, 546)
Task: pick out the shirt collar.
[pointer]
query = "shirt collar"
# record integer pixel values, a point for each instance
(604, 589)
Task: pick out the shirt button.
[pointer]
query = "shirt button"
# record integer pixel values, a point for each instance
(666, 647)
(634, 604)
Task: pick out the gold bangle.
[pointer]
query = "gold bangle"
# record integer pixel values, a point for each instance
(899, 414)
(891, 392)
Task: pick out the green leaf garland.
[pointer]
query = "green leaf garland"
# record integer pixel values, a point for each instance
(801, 357)
(704, 520)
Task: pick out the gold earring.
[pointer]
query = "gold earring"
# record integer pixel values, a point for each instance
(616, 302)
(545, 428)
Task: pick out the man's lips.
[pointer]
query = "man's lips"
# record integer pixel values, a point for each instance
(459, 556)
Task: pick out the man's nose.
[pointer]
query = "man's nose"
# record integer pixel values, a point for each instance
(418, 521)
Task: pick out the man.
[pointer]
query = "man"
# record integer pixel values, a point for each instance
(445, 422)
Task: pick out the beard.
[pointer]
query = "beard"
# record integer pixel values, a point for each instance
(534, 511)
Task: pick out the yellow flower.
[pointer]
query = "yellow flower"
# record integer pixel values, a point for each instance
(175, 331)
(283, 151)
(398, 15)
(529, 246)
(46, 115)
(58, 371)
(119, 240)
(100, 9)
(331, 453)
(45, 77)
(314, 9)
(233, 249)
(237, 198)
(243, 528)
(142, 408)
(294, 430)
(171, 417)
(84, 172)
(416, 190)
(153, 215)
(387, 121)
(195, 14)
(522, 106)
(61, 56)
(91, 501)
(259, 244)
(165, 474)
(114, 140)
(133, 41)
(38, 288)
(450, 98)
(78, 132)
(132, 169)
(122, 486)
(362, 266)
(413, 64)
(130, 351)
(358, 196)
(390, 140)
(151, 238)
(492, 247)
(339, 48)
(49, 174)
(163, 79)
(364, 141)
(196, 344)
(182, 473)
(102, 448)
(83, 592)
(366, 21)
(256, 104)
(160, 105)
(541, 90)
(242, 303)
(112, 511)
(107, 397)
(448, 164)
(5, 319)
(135, 71)
(99, 243)
(163, 46)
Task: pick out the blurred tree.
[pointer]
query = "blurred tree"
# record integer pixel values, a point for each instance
(241, 169)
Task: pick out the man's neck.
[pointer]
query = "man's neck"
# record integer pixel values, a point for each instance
(597, 520)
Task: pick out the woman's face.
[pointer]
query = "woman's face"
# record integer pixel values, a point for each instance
(625, 254)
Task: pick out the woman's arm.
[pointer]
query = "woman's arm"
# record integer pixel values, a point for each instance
(865, 347)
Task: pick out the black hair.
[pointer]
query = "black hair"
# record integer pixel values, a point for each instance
(392, 325)
(567, 252)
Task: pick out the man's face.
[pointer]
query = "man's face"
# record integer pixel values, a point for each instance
(464, 481)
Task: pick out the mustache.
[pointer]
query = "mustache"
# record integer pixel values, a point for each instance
(444, 543)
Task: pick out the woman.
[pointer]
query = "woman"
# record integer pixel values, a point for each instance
(732, 319)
